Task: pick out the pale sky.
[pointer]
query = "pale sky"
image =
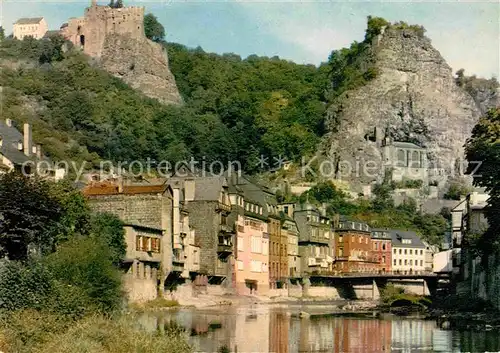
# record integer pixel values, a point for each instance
(466, 33)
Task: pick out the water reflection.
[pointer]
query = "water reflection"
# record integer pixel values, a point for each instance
(279, 330)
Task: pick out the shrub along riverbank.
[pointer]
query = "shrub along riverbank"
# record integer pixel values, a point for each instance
(62, 291)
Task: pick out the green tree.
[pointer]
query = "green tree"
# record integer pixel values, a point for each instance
(109, 228)
(153, 29)
(2, 33)
(28, 215)
(87, 264)
(383, 197)
(483, 154)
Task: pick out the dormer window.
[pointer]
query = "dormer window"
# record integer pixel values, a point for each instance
(20, 146)
(1, 141)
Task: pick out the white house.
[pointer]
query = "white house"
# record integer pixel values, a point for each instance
(408, 252)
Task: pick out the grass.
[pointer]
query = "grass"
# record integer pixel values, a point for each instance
(36, 332)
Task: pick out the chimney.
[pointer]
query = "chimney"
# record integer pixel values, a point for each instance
(189, 190)
(27, 140)
(8, 122)
(39, 151)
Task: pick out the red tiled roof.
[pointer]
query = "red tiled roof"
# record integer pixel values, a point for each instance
(113, 189)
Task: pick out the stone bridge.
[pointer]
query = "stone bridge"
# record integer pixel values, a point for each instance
(366, 285)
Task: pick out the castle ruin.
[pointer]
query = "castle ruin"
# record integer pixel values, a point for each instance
(89, 32)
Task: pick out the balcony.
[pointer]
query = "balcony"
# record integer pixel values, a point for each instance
(225, 228)
(225, 249)
(222, 207)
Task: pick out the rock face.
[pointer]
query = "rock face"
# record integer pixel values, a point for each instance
(142, 64)
(414, 98)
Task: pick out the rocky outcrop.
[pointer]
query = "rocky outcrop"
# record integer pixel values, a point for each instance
(414, 98)
(142, 64)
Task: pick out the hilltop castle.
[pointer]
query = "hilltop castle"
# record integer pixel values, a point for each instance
(89, 32)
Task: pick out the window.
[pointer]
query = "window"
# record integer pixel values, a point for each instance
(256, 266)
(399, 251)
(341, 239)
(399, 262)
(410, 262)
(240, 265)
(383, 246)
(395, 262)
(138, 243)
(383, 259)
(240, 244)
(405, 251)
(421, 262)
(376, 246)
(155, 245)
(421, 252)
(256, 245)
(411, 252)
(265, 248)
(406, 262)
(395, 250)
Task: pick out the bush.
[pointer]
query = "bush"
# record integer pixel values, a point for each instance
(25, 286)
(87, 263)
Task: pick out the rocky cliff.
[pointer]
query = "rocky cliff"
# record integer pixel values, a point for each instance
(142, 64)
(413, 98)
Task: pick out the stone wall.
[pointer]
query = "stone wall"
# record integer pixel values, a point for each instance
(205, 221)
(324, 292)
(482, 281)
(139, 290)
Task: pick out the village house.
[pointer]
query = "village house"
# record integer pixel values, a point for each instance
(252, 238)
(30, 27)
(208, 204)
(315, 237)
(408, 252)
(354, 248)
(381, 250)
(146, 211)
(290, 231)
(19, 153)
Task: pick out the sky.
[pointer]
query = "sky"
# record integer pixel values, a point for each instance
(467, 33)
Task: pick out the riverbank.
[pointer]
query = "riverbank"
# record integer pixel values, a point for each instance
(460, 313)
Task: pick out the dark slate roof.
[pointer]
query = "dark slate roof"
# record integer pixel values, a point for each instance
(406, 145)
(397, 236)
(49, 34)
(28, 21)
(209, 188)
(10, 139)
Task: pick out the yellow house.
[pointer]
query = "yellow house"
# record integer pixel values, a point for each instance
(30, 27)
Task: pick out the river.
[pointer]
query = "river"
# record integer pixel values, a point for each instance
(277, 328)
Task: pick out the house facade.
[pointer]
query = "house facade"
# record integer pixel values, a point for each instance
(146, 211)
(381, 251)
(290, 231)
(408, 252)
(251, 267)
(30, 27)
(315, 236)
(354, 248)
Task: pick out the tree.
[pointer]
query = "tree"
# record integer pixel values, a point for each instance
(383, 197)
(483, 154)
(153, 29)
(109, 228)
(28, 215)
(2, 33)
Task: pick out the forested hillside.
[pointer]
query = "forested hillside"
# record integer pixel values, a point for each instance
(234, 109)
